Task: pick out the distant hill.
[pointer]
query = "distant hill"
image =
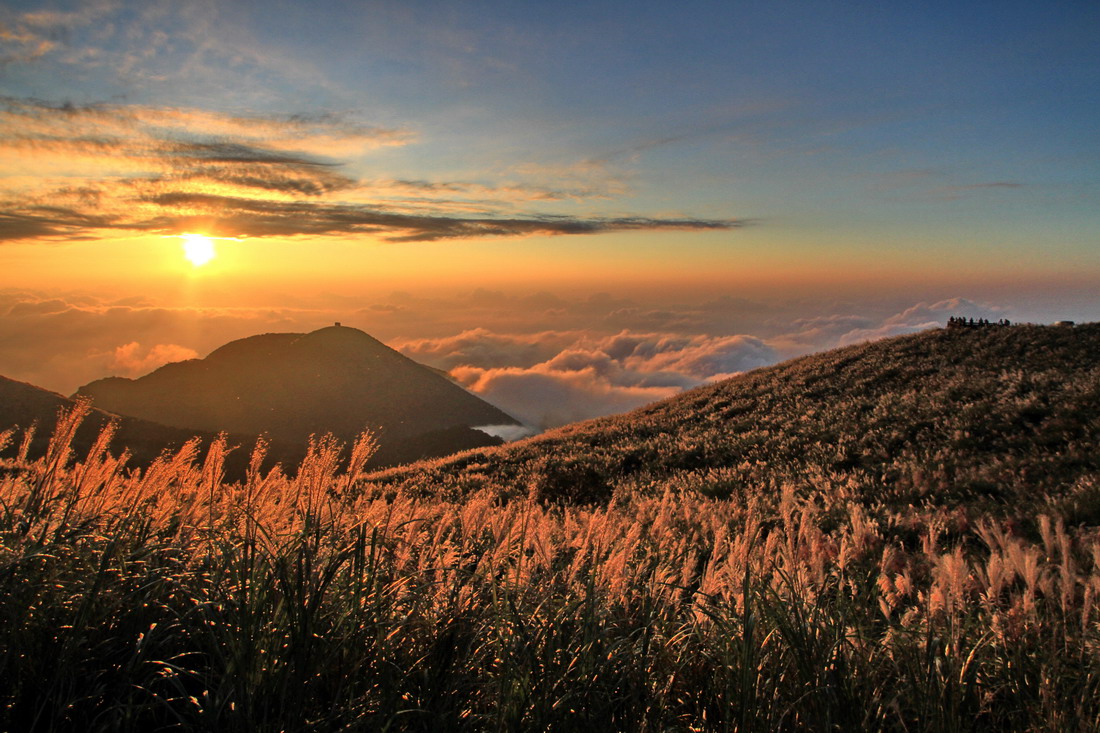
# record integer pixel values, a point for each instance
(993, 416)
(23, 405)
(335, 380)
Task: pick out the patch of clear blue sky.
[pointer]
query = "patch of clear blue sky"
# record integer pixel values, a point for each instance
(839, 113)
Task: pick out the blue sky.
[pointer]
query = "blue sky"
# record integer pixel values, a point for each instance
(832, 160)
(866, 119)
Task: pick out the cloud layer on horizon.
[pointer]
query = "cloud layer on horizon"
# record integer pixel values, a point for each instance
(601, 376)
(80, 171)
(550, 378)
(596, 363)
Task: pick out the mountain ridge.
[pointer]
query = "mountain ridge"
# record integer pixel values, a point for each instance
(24, 405)
(336, 380)
(996, 415)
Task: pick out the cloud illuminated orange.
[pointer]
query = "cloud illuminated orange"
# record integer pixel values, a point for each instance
(82, 171)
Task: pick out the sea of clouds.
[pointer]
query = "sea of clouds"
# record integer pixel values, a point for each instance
(544, 359)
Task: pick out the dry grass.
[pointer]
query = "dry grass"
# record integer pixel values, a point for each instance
(167, 598)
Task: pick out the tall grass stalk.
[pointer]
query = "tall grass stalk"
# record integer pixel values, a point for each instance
(166, 598)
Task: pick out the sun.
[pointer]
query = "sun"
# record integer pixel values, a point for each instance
(198, 249)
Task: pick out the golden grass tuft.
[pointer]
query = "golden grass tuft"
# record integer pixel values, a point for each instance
(136, 600)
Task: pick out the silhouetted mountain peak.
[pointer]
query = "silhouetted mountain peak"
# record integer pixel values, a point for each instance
(346, 336)
(292, 385)
(251, 347)
(333, 345)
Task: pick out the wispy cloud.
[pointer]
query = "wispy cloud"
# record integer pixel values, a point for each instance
(22, 45)
(79, 170)
(936, 185)
(29, 36)
(954, 192)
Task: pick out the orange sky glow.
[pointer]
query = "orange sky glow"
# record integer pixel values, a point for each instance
(648, 196)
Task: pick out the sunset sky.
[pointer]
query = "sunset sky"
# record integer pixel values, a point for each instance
(575, 207)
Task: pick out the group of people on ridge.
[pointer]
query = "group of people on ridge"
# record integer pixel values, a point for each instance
(960, 322)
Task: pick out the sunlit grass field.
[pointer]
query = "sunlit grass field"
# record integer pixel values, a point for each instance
(692, 599)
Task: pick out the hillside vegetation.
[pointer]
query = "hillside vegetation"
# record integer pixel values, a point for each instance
(894, 536)
(994, 419)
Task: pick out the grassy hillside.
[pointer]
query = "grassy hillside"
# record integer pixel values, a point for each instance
(992, 419)
(897, 536)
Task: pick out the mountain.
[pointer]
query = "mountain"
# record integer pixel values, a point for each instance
(910, 540)
(995, 417)
(335, 380)
(23, 405)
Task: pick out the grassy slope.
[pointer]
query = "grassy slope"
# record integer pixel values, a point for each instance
(895, 536)
(992, 418)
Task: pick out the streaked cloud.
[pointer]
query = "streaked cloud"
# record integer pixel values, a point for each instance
(76, 171)
(930, 184)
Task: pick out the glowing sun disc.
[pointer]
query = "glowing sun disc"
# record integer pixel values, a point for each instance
(197, 248)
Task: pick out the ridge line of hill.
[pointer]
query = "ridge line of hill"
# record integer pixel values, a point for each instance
(996, 416)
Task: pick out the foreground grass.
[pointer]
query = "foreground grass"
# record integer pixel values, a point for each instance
(169, 599)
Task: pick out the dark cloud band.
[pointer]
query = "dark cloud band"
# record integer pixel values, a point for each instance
(165, 170)
(230, 216)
